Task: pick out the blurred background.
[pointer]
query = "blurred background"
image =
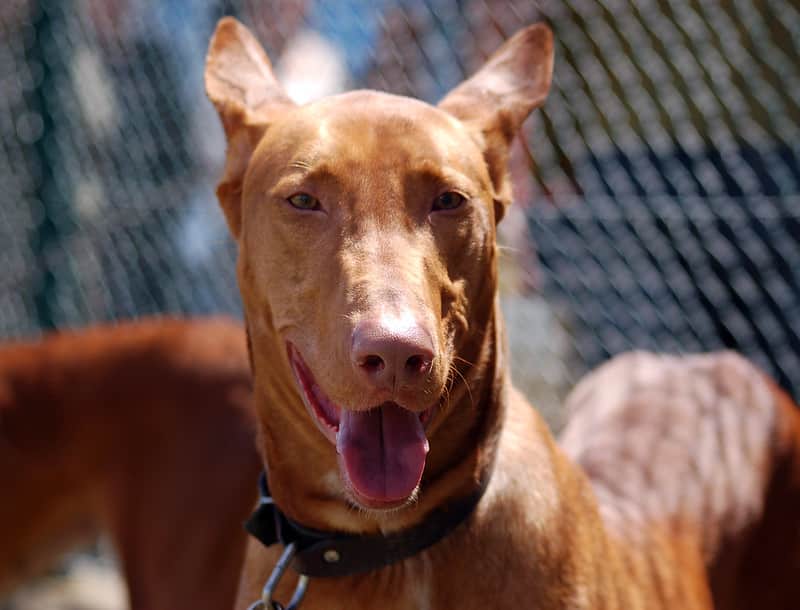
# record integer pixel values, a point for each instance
(657, 192)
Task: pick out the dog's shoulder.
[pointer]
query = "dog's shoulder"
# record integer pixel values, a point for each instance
(686, 440)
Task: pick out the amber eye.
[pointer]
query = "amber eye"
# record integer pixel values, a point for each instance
(448, 201)
(304, 201)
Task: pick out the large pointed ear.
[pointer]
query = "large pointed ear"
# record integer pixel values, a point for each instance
(242, 87)
(498, 98)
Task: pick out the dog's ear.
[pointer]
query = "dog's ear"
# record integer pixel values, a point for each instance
(242, 87)
(498, 98)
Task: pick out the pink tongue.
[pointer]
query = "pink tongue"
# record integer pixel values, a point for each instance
(382, 451)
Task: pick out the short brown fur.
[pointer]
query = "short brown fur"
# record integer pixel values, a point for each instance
(143, 432)
(621, 532)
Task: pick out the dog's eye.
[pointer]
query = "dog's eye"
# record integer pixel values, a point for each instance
(304, 201)
(448, 201)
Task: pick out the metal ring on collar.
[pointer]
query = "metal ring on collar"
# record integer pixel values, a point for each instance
(266, 602)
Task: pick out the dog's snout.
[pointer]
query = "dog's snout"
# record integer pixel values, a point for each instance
(390, 355)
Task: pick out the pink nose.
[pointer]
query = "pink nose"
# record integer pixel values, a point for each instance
(389, 357)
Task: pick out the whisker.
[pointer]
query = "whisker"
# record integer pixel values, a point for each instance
(464, 360)
(448, 390)
(466, 385)
(448, 386)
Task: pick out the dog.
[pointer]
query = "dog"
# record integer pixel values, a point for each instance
(367, 265)
(143, 432)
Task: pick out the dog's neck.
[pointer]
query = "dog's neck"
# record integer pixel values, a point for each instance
(301, 464)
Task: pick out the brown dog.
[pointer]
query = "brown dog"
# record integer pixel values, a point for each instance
(367, 265)
(142, 431)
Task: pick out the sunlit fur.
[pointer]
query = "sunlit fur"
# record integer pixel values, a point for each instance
(376, 163)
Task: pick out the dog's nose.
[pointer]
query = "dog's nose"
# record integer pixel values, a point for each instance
(391, 355)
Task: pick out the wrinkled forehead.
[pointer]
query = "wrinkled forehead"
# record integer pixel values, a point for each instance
(378, 130)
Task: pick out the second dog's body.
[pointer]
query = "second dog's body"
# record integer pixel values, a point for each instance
(143, 432)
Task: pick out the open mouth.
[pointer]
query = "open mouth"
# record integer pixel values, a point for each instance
(381, 450)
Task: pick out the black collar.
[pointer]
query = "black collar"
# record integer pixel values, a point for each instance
(330, 554)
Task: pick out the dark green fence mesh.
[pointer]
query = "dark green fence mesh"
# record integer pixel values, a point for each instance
(658, 193)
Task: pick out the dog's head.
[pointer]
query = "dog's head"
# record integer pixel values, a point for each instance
(366, 232)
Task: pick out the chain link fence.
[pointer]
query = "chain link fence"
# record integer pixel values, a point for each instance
(657, 193)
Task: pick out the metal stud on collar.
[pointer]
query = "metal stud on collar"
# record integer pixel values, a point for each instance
(266, 602)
